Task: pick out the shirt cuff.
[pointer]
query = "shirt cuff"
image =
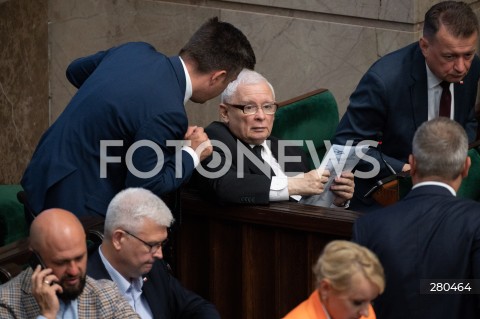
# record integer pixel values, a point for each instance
(278, 188)
(192, 153)
(345, 205)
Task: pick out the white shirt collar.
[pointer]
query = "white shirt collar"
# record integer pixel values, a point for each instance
(432, 79)
(450, 188)
(188, 89)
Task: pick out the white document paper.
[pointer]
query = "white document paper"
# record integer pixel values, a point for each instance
(339, 158)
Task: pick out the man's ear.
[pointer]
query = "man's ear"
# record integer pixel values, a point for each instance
(223, 113)
(118, 237)
(218, 76)
(466, 167)
(424, 44)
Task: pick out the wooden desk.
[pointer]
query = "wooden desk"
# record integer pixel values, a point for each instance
(253, 261)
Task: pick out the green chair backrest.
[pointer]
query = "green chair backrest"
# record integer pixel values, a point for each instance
(311, 116)
(470, 187)
(12, 217)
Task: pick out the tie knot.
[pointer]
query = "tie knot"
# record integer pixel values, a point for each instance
(445, 85)
(257, 150)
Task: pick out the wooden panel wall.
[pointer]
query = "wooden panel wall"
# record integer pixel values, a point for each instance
(253, 261)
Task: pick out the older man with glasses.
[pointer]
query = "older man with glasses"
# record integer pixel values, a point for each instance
(248, 166)
(136, 228)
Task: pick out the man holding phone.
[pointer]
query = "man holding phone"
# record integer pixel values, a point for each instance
(58, 286)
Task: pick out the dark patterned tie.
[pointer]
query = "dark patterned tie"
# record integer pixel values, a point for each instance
(257, 150)
(445, 100)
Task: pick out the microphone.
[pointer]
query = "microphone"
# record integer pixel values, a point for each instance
(379, 149)
(390, 168)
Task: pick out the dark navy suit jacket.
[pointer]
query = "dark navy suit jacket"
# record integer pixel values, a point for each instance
(390, 102)
(254, 186)
(167, 298)
(127, 94)
(429, 235)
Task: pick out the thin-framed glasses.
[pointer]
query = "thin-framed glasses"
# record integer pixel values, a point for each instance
(153, 248)
(249, 109)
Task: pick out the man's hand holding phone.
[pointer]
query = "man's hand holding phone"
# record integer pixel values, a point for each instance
(45, 288)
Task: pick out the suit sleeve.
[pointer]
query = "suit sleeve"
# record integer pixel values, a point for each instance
(366, 116)
(156, 165)
(80, 69)
(357, 233)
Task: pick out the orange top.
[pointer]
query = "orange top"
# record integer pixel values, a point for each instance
(312, 309)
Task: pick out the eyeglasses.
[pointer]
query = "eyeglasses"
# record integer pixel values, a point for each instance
(153, 248)
(250, 109)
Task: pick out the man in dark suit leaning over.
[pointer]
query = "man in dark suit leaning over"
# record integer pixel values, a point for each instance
(247, 111)
(131, 255)
(429, 236)
(403, 89)
(119, 129)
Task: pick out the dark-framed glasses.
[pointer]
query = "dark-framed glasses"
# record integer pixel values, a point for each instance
(249, 109)
(153, 248)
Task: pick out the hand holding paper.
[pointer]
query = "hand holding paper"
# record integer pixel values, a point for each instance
(339, 161)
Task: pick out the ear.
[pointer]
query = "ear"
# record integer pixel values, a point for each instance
(117, 239)
(325, 287)
(223, 113)
(424, 44)
(466, 167)
(218, 76)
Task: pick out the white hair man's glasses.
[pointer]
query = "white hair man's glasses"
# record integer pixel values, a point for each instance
(153, 248)
(249, 109)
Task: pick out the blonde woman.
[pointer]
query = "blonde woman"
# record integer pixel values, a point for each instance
(349, 277)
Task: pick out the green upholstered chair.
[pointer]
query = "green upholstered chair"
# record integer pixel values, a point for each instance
(311, 116)
(470, 187)
(12, 216)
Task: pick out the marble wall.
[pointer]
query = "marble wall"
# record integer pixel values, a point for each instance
(300, 45)
(24, 108)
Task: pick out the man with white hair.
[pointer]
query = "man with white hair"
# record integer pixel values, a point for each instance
(136, 227)
(247, 112)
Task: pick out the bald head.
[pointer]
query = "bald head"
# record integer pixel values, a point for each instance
(59, 239)
(56, 229)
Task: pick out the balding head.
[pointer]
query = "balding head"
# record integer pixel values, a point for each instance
(59, 239)
(55, 227)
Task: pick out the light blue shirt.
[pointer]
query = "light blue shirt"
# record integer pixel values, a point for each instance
(131, 290)
(68, 310)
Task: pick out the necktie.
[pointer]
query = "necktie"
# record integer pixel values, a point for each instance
(257, 150)
(445, 100)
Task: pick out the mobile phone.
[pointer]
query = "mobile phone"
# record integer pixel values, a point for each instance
(35, 260)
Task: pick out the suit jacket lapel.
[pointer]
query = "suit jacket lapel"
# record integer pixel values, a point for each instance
(28, 301)
(418, 89)
(86, 303)
(155, 301)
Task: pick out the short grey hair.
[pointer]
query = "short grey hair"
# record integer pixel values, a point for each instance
(130, 207)
(440, 148)
(246, 77)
